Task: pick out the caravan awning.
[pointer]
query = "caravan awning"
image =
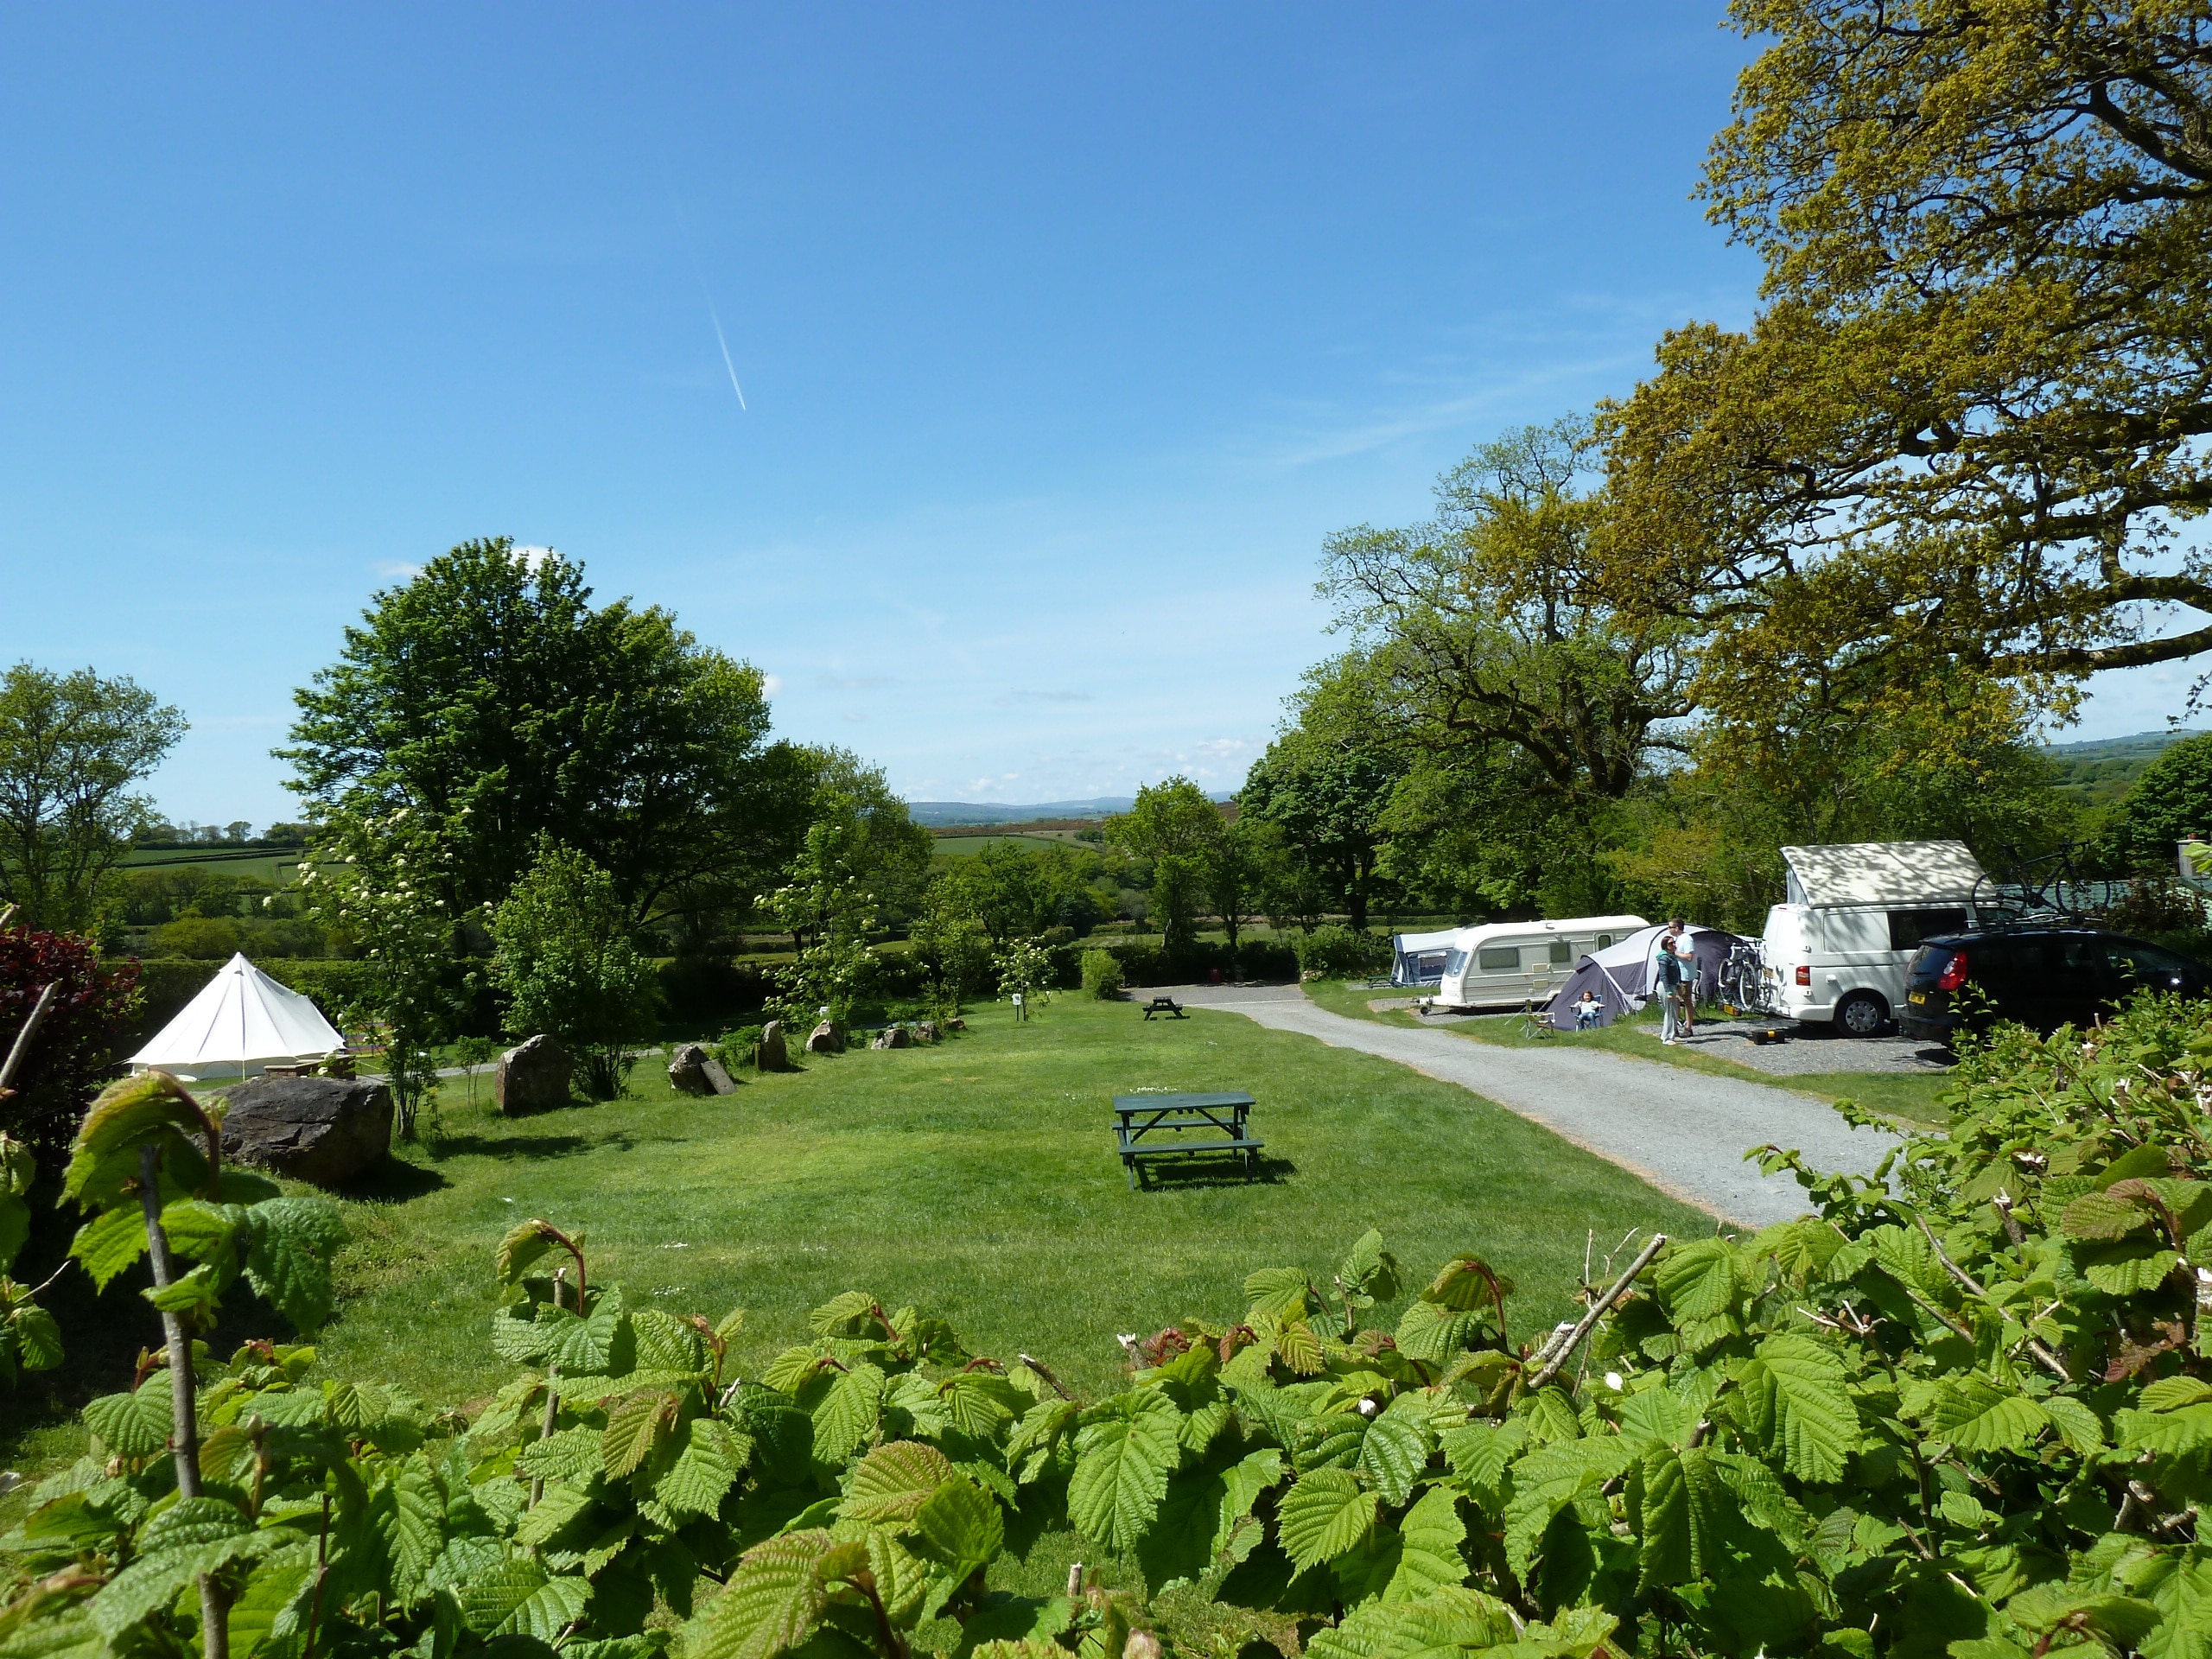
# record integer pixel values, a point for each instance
(1883, 873)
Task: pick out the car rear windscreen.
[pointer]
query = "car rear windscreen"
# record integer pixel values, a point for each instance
(1909, 927)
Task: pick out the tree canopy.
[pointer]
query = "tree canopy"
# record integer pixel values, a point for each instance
(489, 696)
(71, 747)
(1966, 430)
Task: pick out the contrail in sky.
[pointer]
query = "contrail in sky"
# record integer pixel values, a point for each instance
(724, 344)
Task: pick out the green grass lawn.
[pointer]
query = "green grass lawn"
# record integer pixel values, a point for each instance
(1908, 1097)
(977, 1179)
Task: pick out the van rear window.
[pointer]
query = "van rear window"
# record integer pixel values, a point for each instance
(1909, 927)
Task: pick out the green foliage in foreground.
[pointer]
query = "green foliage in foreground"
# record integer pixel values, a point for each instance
(1972, 1415)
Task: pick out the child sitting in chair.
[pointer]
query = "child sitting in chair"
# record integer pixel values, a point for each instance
(1587, 1011)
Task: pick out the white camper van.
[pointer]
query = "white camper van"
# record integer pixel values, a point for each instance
(1503, 963)
(1837, 949)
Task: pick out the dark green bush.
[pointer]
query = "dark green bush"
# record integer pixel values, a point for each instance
(1102, 975)
(1343, 953)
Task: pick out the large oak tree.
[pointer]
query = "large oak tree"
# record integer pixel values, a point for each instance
(491, 697)
(1967, 432)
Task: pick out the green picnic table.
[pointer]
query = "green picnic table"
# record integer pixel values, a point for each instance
(1221, 1116)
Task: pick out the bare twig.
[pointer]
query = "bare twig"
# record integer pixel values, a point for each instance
(23, 1038)
(184, 1404)
(1046, 1371)
(2048, 1360)
(1597, 1310)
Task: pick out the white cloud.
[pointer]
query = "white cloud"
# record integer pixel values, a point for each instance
(772, 683)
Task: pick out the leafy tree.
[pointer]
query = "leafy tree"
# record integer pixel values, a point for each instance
(1175, 826)
(568, 966)
(489, 697)
(2170, 802)
(1486, 625)
(1966, 430)
(1323, 784)
(379, 878)
(1237, 874)
(1013, 891)
(71, 747)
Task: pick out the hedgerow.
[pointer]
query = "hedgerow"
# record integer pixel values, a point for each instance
(1961, 1406)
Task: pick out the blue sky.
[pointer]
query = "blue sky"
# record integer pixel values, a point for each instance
(1065, 337)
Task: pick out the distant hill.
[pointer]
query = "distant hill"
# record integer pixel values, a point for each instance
(934, 813)
(2101, 769)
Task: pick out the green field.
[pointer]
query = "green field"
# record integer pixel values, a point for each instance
(977, 1180)
(966, 846)
(276, 865)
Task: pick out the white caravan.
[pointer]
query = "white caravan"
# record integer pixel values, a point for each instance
(1502, 964)
(1837, 949)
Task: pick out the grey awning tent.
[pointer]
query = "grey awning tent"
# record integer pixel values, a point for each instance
(1418, 958)
(1620, 976)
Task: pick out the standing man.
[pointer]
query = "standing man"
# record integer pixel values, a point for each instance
(1666, 986)
(1685, 951)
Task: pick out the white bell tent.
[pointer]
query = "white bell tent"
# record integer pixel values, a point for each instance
(241, 1021)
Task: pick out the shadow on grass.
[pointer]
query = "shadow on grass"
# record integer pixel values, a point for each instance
(1159, 1175)
(396, 1179)
(523, 1146)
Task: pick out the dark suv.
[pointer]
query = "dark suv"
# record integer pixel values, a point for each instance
(2041, 977)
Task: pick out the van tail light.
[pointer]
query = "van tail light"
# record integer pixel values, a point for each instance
(1804, 973)
(1954, 974)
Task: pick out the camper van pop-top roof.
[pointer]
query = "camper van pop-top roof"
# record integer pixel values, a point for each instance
(1881, 873)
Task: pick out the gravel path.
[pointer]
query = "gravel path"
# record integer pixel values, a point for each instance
(1683, 1132)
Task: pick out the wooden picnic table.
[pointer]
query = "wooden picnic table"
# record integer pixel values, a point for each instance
(1167, 1004)
(1136, 1116)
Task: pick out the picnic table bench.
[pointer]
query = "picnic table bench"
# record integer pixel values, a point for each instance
(1136, 1116)
(1167, 1004)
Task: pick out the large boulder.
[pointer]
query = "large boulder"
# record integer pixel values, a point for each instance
(326, 1130)
(770, 1054)
(825, 1038)
(687, 1071)
(531, 1076)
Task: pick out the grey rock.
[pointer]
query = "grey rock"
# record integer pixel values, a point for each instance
(718, 1080)
(326, 1130)
(687, 1071)
(531, 1076)
(894, 1036)
(925, 1031)
(769, 1054)
(825, 1038)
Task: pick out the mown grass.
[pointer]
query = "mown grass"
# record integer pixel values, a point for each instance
(1905, 1096)
(977, 1179)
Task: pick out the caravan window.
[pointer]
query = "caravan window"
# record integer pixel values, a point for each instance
(1454, 960)
(1498, 958)
(1909, 927)
(1562, 952)
(1605, 942)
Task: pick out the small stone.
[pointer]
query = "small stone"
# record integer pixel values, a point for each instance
(687, 1071)
(825, 1038)
(321, 1129)
(768, 1054)
(955, 1024)
(531, 1076)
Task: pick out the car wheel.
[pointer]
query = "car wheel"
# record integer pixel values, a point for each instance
(1862, 1013)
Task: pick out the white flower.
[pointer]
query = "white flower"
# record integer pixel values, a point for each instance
(1613, 1381)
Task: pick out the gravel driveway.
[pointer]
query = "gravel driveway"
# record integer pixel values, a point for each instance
(1682, 1131)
